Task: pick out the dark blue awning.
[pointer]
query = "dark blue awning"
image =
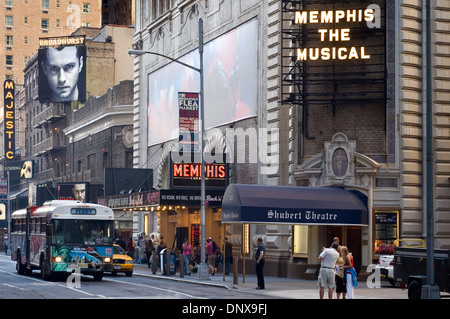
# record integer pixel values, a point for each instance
(259, 204)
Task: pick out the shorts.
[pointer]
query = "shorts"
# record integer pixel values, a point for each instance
(326, 278)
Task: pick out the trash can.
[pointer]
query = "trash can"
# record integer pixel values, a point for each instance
(163, 261)
(172, 263)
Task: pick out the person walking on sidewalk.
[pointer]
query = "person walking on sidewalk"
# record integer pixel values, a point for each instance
(260, 260)
(187, 249)
(328, 259)
(211, 251)
(228, 250)
(349, 272)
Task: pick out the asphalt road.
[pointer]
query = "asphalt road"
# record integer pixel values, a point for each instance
(14, 286)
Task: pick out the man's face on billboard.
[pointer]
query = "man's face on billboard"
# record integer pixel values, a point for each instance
(62, 68)
(79, 192)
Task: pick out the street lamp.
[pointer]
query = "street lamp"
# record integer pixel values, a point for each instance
(202, 268)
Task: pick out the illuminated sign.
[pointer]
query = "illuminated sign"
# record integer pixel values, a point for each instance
(189, 174)
(192, 171)
(83, 211)
(61, 41)
(332, 36)
(10, 124)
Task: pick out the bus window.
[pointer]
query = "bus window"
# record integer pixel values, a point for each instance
(82, 232)
(43, 225)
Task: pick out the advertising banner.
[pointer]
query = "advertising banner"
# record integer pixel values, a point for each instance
(189, 124)
(62, 69)
(73, 191)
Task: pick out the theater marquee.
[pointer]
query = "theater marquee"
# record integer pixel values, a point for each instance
(335, 31)
(334, 53)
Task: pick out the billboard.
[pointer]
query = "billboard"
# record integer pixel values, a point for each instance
(231, 84)
(73, 191)
(62, 69)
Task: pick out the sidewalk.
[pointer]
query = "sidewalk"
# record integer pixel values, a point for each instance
(277, 287)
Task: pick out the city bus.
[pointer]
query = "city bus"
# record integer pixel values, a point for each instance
(63, 237)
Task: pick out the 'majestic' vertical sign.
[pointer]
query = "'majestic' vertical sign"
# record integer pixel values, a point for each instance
(9, 119)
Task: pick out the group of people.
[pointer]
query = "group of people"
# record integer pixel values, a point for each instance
(192, 255)
(337, 271)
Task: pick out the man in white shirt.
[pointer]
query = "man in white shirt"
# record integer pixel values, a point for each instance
(327, 259)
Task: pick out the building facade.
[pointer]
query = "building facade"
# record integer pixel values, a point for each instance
(341, 89)
(74, 142)
(26, 21)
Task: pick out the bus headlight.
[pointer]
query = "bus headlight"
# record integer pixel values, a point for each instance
(58, 259)
(107, 260)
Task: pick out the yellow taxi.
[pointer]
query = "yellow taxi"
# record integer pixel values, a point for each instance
(122, 262)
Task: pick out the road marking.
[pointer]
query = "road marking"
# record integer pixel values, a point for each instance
(158, 288)
(11, 286)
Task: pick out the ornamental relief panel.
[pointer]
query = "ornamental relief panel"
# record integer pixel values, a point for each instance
(339, 165)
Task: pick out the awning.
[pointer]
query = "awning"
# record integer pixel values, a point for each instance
(259, 204)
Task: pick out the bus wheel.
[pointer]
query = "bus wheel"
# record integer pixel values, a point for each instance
(44, 270)
(98, 276)
(19, 267)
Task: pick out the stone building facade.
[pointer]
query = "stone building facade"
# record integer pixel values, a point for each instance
(380, 140)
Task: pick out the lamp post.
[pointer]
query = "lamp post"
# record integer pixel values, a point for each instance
(202, 268)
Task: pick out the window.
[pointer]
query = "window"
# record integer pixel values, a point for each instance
(58, 4)
(45, 23)
(25, 20)
(129, 159)
(9, 60)
(25, 40)
(9, 20)
(45, 4)
(86, 7)
(9, 40)
(300, 240)
(91, 164)
(105, 159)
(57, 23)
(9, 2)
(86, 24)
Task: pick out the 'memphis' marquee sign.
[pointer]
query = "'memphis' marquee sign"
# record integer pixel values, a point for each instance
(332, 34)
(334, 52)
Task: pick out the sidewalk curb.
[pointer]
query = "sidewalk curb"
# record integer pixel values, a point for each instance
(174, 278)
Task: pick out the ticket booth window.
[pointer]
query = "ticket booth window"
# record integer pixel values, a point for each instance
(386, 231)
(300, 240)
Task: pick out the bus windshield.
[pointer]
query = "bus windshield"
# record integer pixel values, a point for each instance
(82, 232)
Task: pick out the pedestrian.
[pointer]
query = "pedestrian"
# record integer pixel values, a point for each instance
(211, 251)
(187, 253)
(349, 272)
(260, 255)
(327, 259)
(130, 248)
(6, 247)
(228, 250)
(148, 251)
(121, 243)
(335, 240)
(161, 246)
(197, 254)
(339, 277)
